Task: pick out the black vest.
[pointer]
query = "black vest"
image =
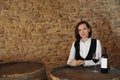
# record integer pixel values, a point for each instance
(90, 53)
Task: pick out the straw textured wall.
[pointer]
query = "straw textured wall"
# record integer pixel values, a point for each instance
(43, 30)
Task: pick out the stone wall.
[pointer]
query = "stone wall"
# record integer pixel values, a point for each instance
(43, 30)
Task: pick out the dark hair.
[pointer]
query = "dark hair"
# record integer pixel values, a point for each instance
(77, 36)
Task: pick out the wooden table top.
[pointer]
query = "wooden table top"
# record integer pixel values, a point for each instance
(19, 67)
(84, 73)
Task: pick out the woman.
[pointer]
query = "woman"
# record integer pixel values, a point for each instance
(84, 47)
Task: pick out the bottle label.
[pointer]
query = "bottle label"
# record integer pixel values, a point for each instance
(103, 63)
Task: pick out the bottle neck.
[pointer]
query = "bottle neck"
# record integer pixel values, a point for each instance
(104, 50)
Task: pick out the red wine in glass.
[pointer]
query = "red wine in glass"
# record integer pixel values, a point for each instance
(95, 60)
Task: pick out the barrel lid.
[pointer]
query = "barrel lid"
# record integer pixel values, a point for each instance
(19, 68)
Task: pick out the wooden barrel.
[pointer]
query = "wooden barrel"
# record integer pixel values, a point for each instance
(23, 71)
(83, 73)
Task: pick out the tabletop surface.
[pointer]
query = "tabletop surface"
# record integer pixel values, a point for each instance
(84, 73)
(19, 67)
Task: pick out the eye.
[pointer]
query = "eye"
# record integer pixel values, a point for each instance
(84, 28)
(79, 29)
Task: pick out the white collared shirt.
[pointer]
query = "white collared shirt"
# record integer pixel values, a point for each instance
(84, 49)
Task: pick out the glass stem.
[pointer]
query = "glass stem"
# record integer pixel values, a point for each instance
(95, 67)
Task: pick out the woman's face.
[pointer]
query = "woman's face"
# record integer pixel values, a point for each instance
(83, 31)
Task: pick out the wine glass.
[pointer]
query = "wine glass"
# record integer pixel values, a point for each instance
(95, 58)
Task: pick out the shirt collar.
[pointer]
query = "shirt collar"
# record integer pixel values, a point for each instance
(89, 39)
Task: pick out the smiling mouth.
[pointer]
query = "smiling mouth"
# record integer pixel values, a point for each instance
(83, 34)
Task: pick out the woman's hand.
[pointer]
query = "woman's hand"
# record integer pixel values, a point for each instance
(76, 62)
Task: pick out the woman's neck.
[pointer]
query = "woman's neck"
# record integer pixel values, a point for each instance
(84, 39)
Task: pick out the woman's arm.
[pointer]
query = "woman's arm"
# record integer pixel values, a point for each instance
(71, 60)
(72, 54)
(98, 51)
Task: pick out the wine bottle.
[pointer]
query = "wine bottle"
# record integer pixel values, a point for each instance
(104, 61)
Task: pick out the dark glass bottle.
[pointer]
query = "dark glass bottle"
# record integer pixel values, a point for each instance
(104, 61)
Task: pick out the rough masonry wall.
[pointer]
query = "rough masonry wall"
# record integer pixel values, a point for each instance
(43, 30)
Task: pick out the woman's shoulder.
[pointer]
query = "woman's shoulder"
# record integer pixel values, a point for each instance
(75, 42)
(98, 41)
(95, 39)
